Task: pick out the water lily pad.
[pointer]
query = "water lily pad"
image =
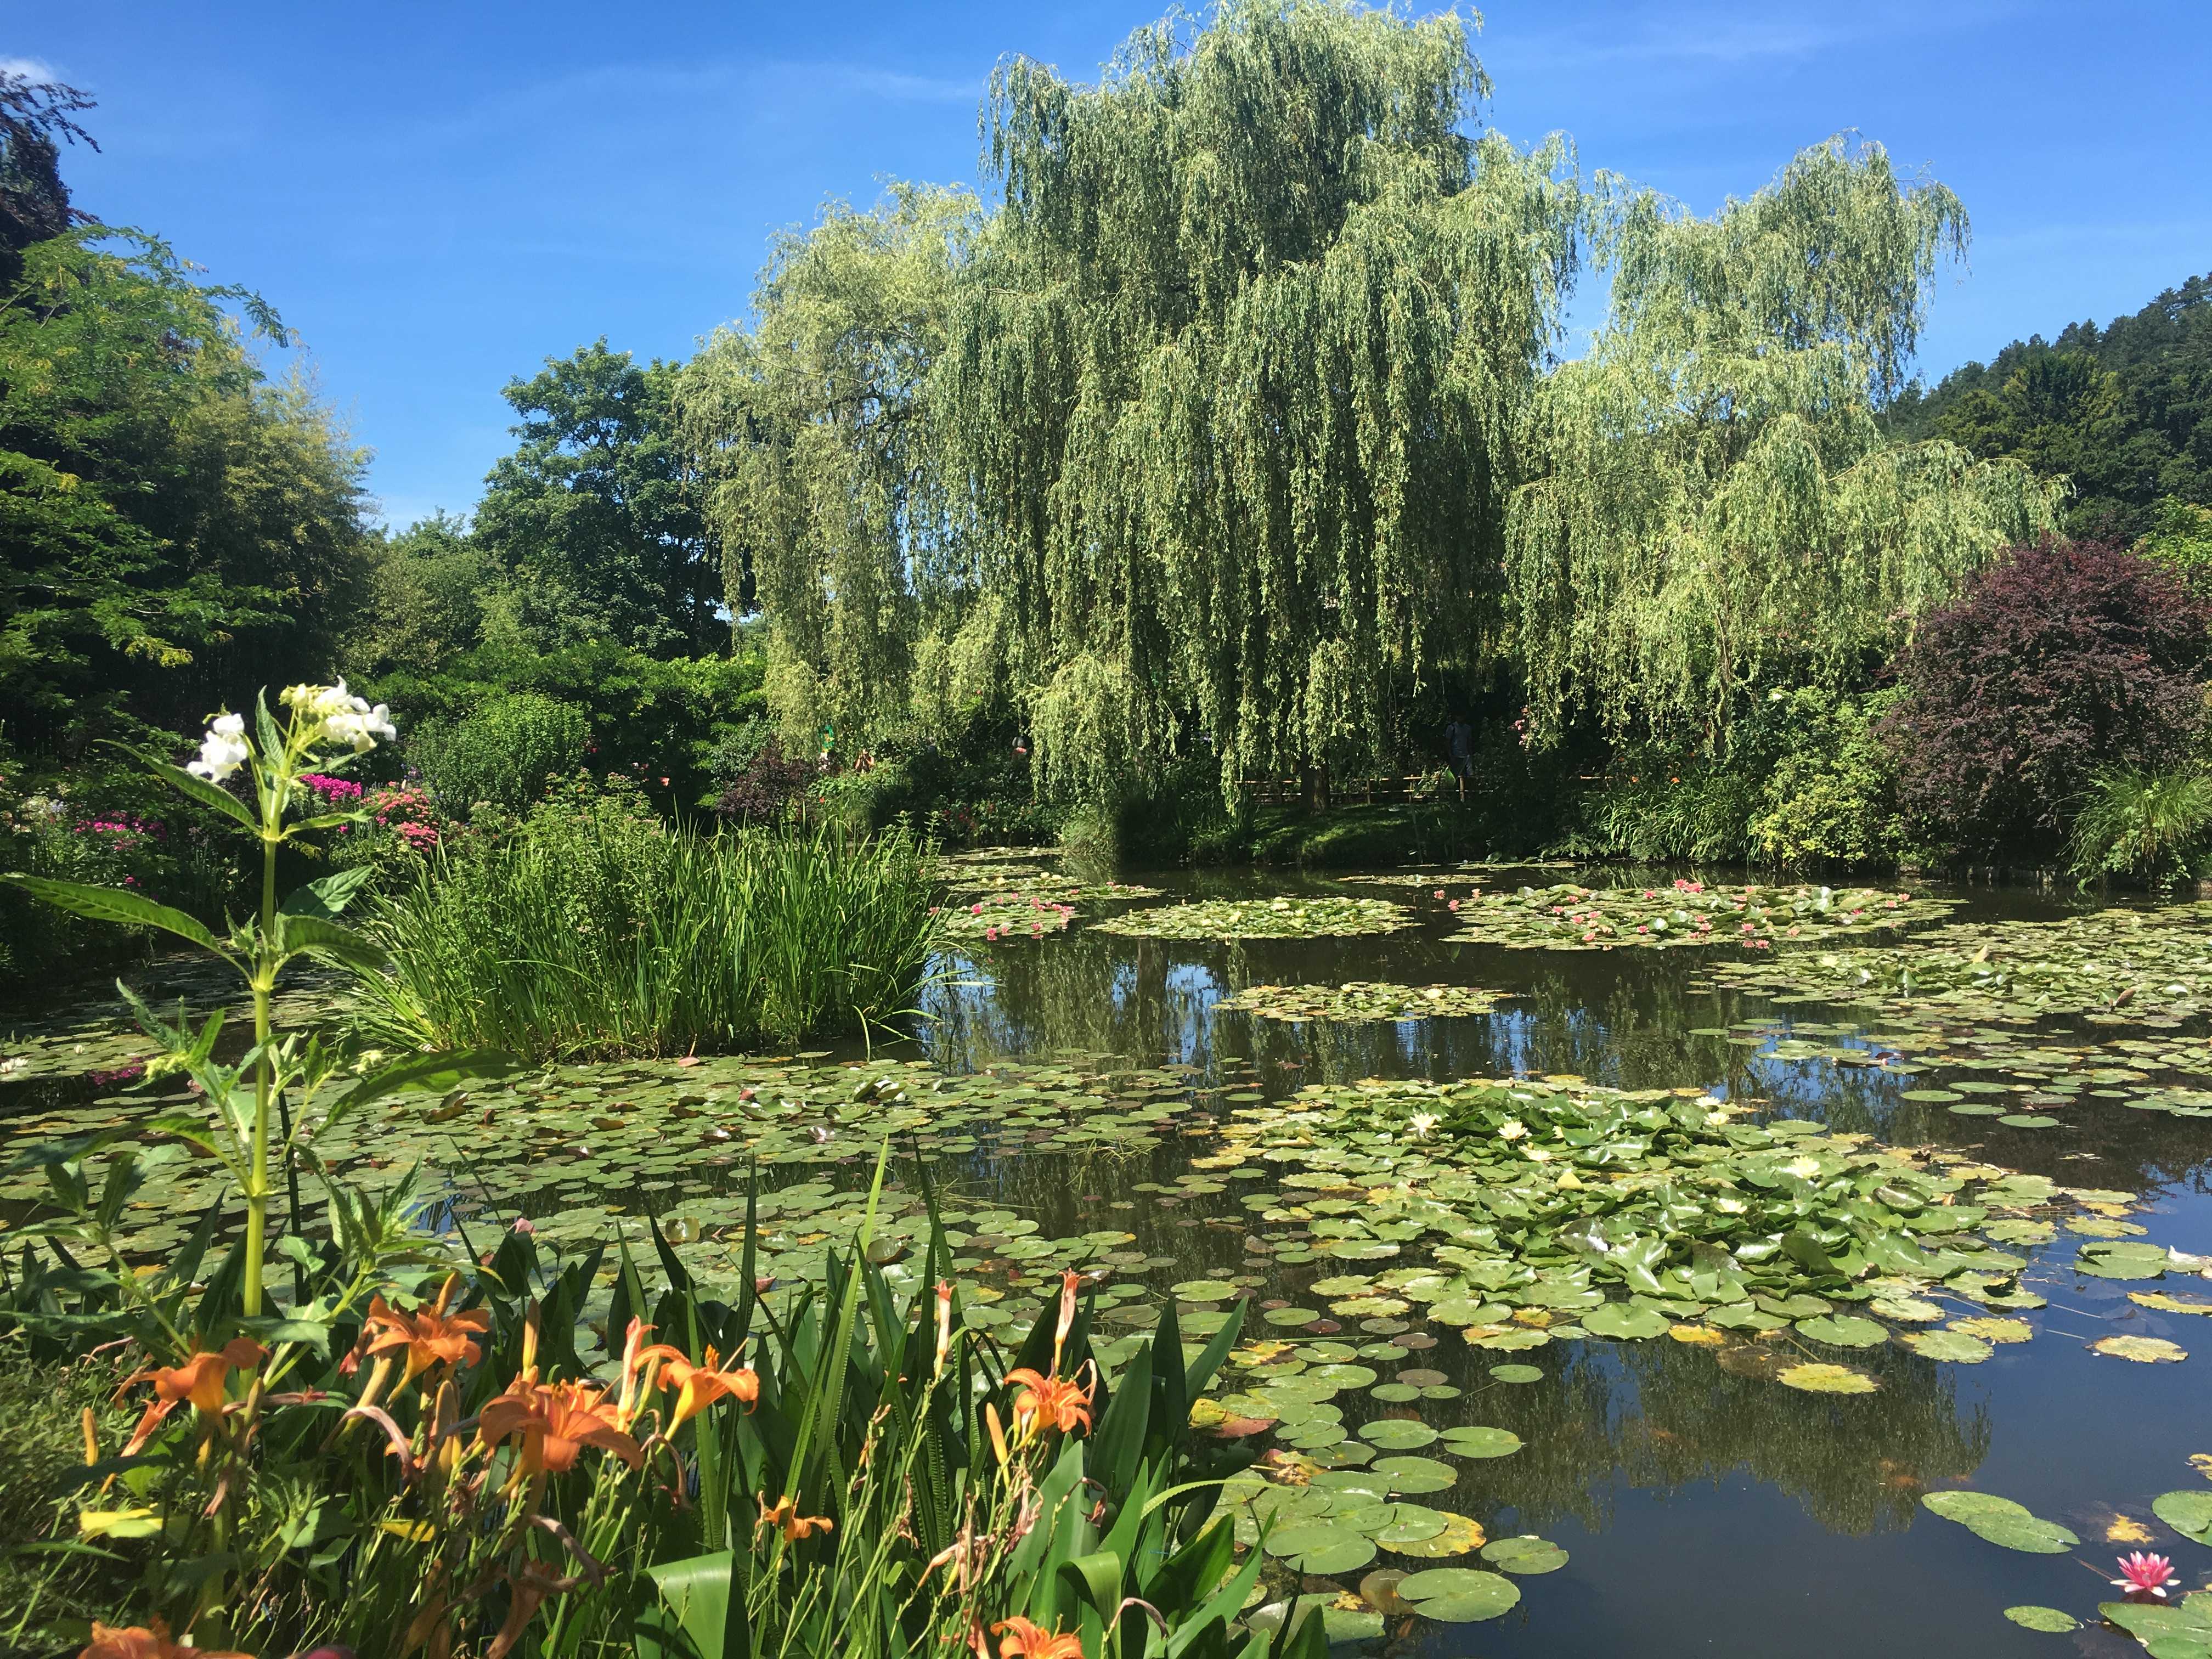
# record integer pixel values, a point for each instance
(1995, 1330)
(1818, 1376)
(1412, 1525)
(1844, 1331)
(2027, 1120)
(1291, 1316)
(2000, 1521)
(1321, 1546)
(1470, 1597)
(1277, 918)
(1395, 1434)
(1618, 1320)
(1359, 1000)
(2165, 1303)
(2188, 1513)
(1481, 1441)
(1414, 1475)
(1527, 1555)
(2143, 1350)
(2044, 1619)
(1932, 1095)
(1953, 1346)
(1461, 1533)
(1517, 1373)
(1908, 1308)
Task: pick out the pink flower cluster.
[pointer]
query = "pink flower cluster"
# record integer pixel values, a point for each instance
(124, 824)
(332, 792)
(406, 811)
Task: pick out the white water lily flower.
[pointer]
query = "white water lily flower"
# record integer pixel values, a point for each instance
(1729, 1205)
(1421, 1123)
(1512, 1129)
(1803, 1168)
(1715, 1120)
(1540, 1154)
(224, 751)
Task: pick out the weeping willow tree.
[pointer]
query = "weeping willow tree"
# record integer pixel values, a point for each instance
(813, 429)
(1229, 390)
(1714, 506)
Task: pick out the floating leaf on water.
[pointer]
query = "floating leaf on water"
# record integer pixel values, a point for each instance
(1414, 1475)
(2002, 1522)
(2165, 1303)
(2143, 1350)
(1467, 1598)
(1320, 1547)
(1359, 1001)
(1395, 1434)
(1278, 918)
(1474, 1442)
(2188, 1513)
(1527, 1555)
(1953, 1346)
(1411, 1525)
(1844, 1331)
(1990, 1329)
(1460, 1534)
(1703, 1335)
(1379, 1589)
(2043, 1619)
(1818, 1376)
(1618, 1320)
(1908, 1308)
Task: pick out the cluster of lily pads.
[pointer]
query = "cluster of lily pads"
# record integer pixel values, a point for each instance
(2112, 965)
(1263, 917)
(1567, 917)
(1359, 1000)
(1000, 896)
(1010, 915)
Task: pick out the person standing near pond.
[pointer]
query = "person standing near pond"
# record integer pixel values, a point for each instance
(1459, 743)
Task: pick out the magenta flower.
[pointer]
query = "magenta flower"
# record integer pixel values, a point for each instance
(2147, 1575)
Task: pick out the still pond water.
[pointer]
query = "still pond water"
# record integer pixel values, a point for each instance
(1704, 1508)
(1703, 1512)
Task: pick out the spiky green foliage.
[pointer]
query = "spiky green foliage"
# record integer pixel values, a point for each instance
(1714, 502)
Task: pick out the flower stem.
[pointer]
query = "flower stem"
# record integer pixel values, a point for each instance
(264, 1070)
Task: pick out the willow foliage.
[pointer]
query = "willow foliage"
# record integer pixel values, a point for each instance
(815, 435)
(1230, 387)
(1715, 504)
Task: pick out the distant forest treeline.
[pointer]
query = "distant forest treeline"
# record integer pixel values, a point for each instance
(2125, 410)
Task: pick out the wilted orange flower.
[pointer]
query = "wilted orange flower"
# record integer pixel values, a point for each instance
(1060, 1400)
(784, 1514)
(430, 1337)
(699, 1386)
(556, 1421)
(1020, 1640)
(136, 1641)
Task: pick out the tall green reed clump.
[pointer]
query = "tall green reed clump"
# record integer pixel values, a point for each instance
(2136, 821)
(595, 931)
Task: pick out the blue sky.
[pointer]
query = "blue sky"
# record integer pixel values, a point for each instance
(437, 197)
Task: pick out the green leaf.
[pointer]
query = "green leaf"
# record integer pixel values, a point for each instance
(116, 905)
(330, 895)
(2043, 1619)
(696, 1594)
(199, 789)
(2188, 1513)
(297, 933)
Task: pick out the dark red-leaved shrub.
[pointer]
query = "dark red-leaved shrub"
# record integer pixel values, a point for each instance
(761, 791)
(2061, 659)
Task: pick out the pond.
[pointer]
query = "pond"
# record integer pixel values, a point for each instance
(1727, 1463)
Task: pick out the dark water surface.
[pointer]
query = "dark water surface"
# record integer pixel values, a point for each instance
(1706, 1513)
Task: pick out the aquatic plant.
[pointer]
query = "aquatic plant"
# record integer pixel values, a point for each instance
(2146, 1575)
(596, 932)
(1276, 918)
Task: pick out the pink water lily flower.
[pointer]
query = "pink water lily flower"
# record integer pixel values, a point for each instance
(2146, 1574)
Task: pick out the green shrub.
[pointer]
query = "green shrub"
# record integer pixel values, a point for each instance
(1657, 805)
(2134, 821)
(502, 754)
(1830, 795)
(597, 930)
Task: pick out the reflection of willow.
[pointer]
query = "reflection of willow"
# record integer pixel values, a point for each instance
(1086, 992)
(1663, 1415)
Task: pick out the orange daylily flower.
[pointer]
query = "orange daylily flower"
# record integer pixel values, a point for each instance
(200, 1380)
(430, 1337)
(1060, 1400)
(784, 1514)
(138, 1642)
(556, 1421)
(1023, 1640)
(699, 1386)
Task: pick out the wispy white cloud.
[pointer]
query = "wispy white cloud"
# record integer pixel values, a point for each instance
(31, 69)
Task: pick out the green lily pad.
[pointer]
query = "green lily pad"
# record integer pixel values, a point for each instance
(1517, 1373)
(1291, 1316)
(1526, 1555)
(1471, 1597)
(2188, 1513)
(2027, 1120)
(1820, 1377)
(1461, 1533)
(1953, 1346)
(1618, 1320)
(2044, 1619)
(1481, 1441)
(2002, 1522)
(2143, 1350)
(1414, 1475)
(1844, 1331)
(1414, 1525)
(1320, 1547)
(1395, 1434)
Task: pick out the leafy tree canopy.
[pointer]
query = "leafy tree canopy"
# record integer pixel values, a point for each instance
(1712, 502)
(595, 516)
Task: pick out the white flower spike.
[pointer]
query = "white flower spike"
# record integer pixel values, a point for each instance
(222, 751)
